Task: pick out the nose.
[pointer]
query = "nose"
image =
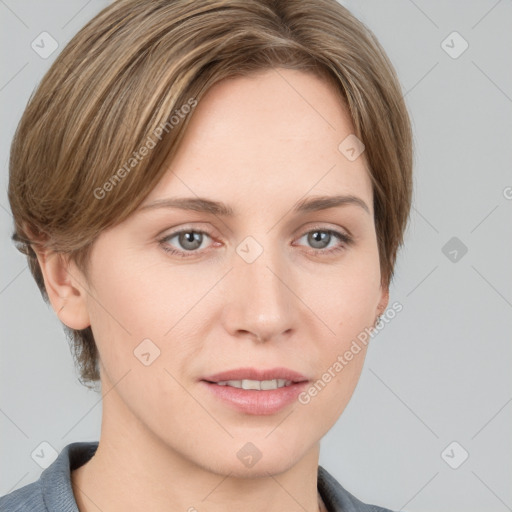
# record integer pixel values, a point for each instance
(260, 302)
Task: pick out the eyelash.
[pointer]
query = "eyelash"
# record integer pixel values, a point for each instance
(345, 240)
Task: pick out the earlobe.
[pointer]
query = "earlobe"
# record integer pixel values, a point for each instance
(383, 303)
(65, 291)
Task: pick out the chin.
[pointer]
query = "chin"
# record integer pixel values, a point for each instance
(244, 459)
(275, 465)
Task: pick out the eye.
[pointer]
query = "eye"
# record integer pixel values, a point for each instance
(320, 239)
(189, 240)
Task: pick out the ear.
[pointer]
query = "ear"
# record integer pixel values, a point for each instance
(64, 285)
(384, 300)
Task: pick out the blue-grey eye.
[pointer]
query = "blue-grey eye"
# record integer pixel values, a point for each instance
(319, 239)
(188, 240)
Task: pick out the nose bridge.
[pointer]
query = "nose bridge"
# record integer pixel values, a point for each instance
(260, 300)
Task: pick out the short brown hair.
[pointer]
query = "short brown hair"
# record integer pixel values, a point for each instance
(124, 75)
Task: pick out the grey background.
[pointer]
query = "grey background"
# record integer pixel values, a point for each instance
(439, 372)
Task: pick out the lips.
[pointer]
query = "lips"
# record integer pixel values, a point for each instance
(256, 391)
(257, 374)
(261, 385)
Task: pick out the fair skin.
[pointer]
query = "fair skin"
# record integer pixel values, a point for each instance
(167, 443)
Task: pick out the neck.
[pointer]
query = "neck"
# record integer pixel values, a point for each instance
(132, 469)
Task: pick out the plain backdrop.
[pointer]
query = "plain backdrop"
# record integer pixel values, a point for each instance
(428, 427)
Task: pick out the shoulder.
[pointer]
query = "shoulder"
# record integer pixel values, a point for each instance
(338, 499)
(29, 497)
(53, 490)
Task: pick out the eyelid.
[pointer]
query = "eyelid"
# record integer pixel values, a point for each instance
(325, 227)
(343, 235)
(188, 226)
(303, 231)
(168, 248)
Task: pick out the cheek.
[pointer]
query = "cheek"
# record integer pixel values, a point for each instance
(132, 297)
(123, 312)
(345, 303)
(141, 307)
(345, 298)
(340, 356)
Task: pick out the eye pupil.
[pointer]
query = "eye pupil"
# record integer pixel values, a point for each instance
(190, 237)
(190, 241)
(319, 237)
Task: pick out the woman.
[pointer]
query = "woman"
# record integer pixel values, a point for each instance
(211, 195)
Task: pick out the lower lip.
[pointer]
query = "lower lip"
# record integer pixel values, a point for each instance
(252, 401)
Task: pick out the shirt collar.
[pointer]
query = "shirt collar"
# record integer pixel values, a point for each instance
(58, 491)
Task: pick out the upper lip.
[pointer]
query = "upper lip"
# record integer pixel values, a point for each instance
(257, 374)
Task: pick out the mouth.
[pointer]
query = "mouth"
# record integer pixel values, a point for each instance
(255, 391)
(261, 385)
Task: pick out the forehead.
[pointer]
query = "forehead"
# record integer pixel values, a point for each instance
(272, 136)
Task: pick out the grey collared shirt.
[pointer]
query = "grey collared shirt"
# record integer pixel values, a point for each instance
(53, 491)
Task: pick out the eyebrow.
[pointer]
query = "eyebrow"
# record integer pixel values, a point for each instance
(201, 204)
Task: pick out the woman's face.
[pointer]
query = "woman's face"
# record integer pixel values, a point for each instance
(268, 292)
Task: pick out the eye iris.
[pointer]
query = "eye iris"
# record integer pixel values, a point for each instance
(319, 237)
(195, 239)
(192, 240)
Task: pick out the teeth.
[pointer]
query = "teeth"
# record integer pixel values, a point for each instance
(268, 384)
(256, 384)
